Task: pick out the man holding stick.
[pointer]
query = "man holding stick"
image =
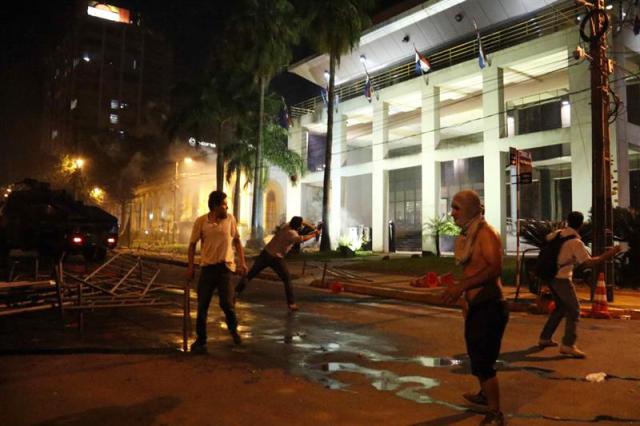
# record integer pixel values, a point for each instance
(218, 234)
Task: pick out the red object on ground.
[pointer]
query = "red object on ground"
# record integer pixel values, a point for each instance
(600, 308)
(336, 287)
(431, 280)
(446, 280)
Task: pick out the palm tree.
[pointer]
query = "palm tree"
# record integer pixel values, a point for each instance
(264, 31)
(241, 154)
(335, 27)
(213, 109)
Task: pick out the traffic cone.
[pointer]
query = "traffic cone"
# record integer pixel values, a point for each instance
(599, 308)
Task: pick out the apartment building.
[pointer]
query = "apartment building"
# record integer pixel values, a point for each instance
(404, 148)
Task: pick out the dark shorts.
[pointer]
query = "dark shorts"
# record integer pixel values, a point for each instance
(483, 330)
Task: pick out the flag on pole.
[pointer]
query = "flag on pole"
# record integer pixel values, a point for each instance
(422, 63)
(482, 59)
(368, 89)
(284, 118)
(324, 94)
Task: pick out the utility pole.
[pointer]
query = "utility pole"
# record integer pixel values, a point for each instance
(593, 29)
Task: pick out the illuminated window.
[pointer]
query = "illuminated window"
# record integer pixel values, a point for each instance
(115, 104)
(54, 134)
(73, 104)
(113, 118)
(135, 64)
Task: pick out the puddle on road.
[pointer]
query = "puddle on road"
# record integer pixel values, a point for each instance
(308, 340)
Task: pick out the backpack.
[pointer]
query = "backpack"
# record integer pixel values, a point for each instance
(547, 263)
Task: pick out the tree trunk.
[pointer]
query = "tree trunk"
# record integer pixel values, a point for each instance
(220, 158)
(236, 195)
(325, 243)
(257, 233)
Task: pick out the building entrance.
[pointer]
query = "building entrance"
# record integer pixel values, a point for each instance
(405, 207)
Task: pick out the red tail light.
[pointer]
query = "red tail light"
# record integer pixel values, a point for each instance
(77, 240)
(111, 240)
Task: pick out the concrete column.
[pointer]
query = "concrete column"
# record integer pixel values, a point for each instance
(581, 167)
(546, 189)
(495, 150)
(430, 128)
(379, 206)
(293, 193)
(335, 208)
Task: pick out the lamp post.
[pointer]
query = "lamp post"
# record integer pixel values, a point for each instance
(78, 163)
(174, 226)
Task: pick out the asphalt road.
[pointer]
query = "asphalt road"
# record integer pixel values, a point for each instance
(342, 359)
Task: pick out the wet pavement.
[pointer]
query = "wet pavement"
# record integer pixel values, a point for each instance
(359, 346)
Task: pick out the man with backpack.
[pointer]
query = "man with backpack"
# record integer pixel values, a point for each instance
(568, 250)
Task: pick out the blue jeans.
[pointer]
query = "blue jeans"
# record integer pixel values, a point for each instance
(567, 306)
(265, 260)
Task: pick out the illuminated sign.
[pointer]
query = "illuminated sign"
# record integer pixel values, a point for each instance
(108, 12)
(194, 142)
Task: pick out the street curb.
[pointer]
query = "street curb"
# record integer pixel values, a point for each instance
(428, 296)
(432, 296)
(265, 275)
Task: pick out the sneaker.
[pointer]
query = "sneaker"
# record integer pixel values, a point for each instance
(236, 338)
(493, 418)
(546, 343)
(293, 307)
(476, 398)
(199, 345)
(572, 351)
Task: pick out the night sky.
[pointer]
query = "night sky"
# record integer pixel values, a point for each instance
(34, 28)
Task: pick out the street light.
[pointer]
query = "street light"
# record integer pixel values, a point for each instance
(97, 194)
(174, 226)
(78, 164)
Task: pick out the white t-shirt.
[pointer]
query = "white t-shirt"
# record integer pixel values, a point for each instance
(282, 242)
(216, 237)
(572, 253)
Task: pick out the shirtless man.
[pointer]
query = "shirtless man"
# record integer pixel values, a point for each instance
(479, 250)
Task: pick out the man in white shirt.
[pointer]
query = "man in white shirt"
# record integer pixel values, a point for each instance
(218, 234)
(572, 253)
(273, 256)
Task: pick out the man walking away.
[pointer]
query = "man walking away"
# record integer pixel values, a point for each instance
(479, 250)
(572, 253)
(273, 256)
(218, 234)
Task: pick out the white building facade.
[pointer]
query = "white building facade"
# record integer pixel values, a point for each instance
(401, 156)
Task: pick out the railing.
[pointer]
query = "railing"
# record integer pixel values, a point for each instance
(548, 21)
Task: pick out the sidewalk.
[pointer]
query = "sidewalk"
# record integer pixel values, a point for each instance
(626, 304)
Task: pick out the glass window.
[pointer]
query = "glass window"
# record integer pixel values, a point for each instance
(633, 103)
(113, 118)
